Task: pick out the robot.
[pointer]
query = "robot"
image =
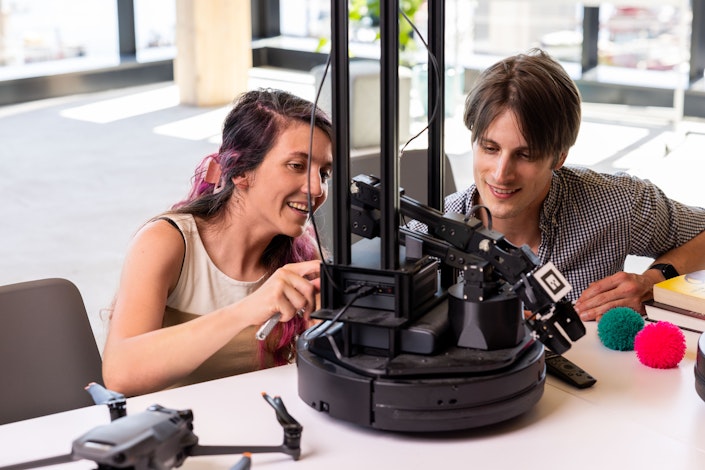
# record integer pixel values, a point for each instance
(453, 339)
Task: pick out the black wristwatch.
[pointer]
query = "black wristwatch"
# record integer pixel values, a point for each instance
(667, 270)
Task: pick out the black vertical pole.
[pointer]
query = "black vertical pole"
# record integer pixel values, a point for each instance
(389, 151)
(126, 30)
(265, 18)
(436, 97)
(697, 41)
(591, 30)
(341, 130)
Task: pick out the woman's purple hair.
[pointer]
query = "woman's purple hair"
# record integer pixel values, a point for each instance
(250, 130)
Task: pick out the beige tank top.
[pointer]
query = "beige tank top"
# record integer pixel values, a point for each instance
(203, 288)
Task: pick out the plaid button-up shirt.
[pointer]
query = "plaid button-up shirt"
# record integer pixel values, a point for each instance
(590, 222)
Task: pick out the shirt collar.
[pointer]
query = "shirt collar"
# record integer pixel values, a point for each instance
(552, 203)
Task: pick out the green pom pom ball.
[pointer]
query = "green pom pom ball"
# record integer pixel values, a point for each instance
(618, 327)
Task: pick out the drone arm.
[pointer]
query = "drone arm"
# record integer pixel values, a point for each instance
(59, 459)
(292, 436)
(227, 450)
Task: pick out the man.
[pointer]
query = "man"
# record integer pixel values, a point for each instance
(524, 114)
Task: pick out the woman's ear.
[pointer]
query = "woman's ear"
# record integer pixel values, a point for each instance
(241, 182)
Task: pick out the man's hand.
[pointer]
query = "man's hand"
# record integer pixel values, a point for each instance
(619, 290)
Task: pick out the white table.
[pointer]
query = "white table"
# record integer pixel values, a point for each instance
(634, 417)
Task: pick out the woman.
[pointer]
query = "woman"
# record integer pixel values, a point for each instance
(199, 280)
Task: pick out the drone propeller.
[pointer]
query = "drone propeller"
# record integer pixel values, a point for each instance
(283, 416)
(116, 402)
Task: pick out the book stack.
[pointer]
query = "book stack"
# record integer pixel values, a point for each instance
(681, 301)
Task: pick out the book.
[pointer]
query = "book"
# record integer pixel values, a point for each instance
(682, 318)
(686, 291)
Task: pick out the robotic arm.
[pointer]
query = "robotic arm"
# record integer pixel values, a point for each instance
(489, 263)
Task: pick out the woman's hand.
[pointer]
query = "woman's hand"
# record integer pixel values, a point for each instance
(291, 290)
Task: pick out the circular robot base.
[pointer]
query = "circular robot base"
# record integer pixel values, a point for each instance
(438, 400)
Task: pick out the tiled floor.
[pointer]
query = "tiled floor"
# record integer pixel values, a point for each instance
(78, 175)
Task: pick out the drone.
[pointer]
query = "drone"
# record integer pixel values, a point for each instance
(158, 438)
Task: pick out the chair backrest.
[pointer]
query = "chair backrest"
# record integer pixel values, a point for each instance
(48, 352)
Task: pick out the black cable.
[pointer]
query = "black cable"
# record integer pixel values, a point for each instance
(436, 73)
(309, 202)
(362, 291)
(477, 207)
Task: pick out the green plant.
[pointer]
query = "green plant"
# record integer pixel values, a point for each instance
(368, 11)
(362, 9)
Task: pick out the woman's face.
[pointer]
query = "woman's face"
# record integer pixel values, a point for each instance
(277, 191)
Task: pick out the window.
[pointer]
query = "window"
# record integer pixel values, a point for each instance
(155, 29)
(47, 37)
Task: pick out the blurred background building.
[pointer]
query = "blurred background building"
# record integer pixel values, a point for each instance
(637, 52)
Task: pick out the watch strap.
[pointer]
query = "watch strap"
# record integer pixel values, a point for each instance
(667, 270)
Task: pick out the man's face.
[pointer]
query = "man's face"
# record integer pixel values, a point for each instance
(511, 182)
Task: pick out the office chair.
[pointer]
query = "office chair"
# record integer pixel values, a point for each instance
(48, 353)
